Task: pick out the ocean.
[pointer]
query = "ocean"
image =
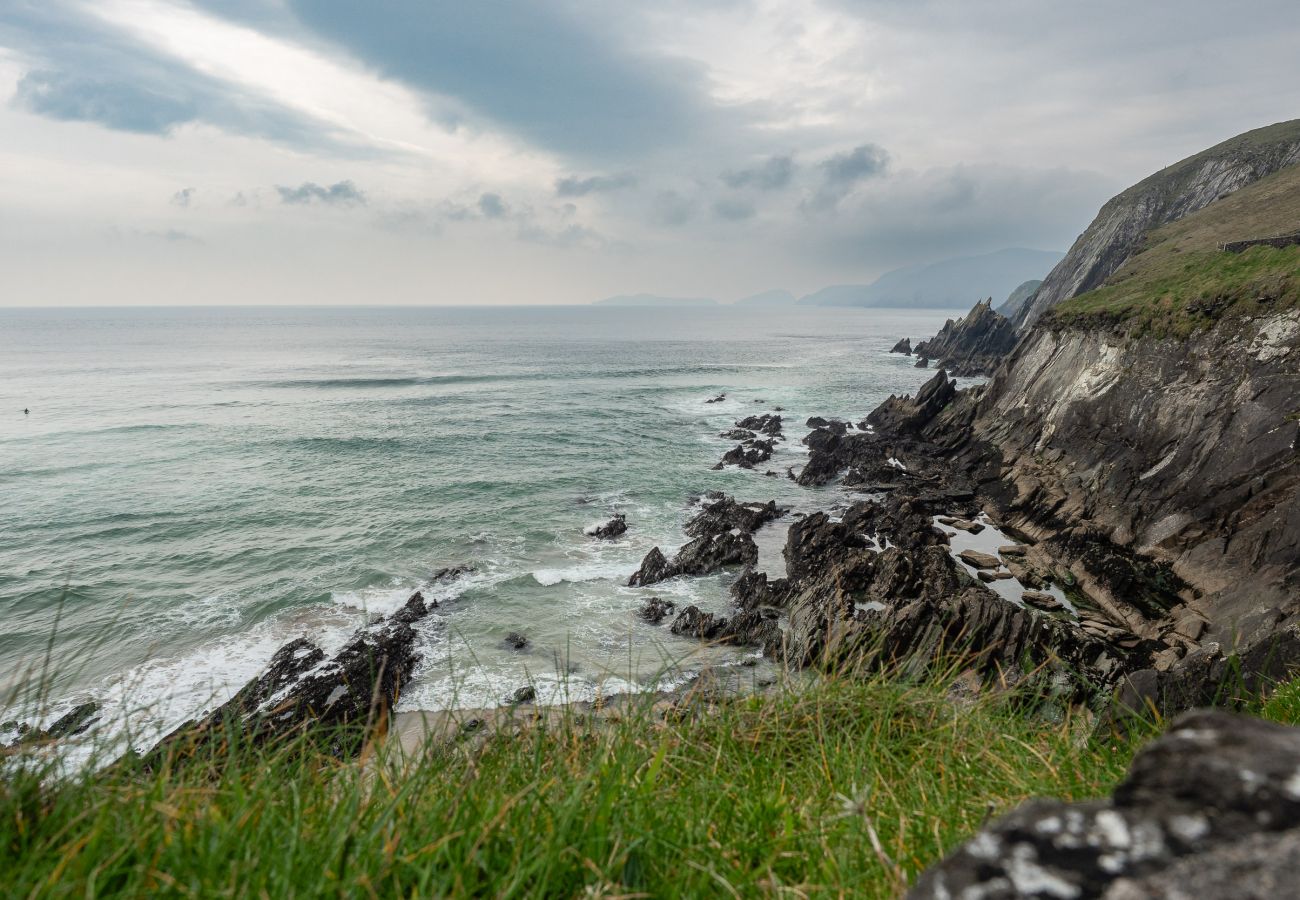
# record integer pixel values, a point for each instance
(194, 487)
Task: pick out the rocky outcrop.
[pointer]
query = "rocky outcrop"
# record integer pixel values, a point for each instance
(72, 723)
(339, 700)
(767, 424)
(904, 346)
(1118, 230)
(609, 529)
(972, 345)
(1211, 810)
(722, 537)
(752, 449)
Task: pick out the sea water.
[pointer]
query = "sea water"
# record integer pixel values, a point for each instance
(194, 487)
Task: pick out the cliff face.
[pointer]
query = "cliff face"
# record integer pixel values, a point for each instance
(1183, 188)
(1184, 452)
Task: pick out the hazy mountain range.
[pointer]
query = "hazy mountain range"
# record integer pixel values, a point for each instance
(948, 284)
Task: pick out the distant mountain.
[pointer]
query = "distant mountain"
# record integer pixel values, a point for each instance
(776, 297)
(1012, 304)
(949, 284)
(654, 300)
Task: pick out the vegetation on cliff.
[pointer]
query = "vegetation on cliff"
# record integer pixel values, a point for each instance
(1180, 281)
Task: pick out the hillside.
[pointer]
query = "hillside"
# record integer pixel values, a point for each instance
(1179, 281)
(777, 297)
(1179, 190)
(1017, 298)
(948, 284)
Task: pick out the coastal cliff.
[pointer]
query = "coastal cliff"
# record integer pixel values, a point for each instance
(1168, 195)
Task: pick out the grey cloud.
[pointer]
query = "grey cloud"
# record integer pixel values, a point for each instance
(86, 71)
(573, 186)
(733, 209)
(343, 193)
(862, 161)
(567, 76)
(672, 209)
(492, 206)
(772, 175)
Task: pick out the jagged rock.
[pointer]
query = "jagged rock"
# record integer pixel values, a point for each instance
(904, 346)
(342, 698)
(817, 422)
(980, 560)
(516, 641)
(767, 424)
(737, 434)
(656, 609)
(654, 568)
(451, 572)
(72, 723)
(973, 344)
(702, 556)
(725, 513)
(904, 415)
(1210, 810)
(611, 528)
(747, 455)
(691, 622)
(717, 399)
(922, 362)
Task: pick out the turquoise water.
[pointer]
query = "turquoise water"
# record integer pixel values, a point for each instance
(195, 487)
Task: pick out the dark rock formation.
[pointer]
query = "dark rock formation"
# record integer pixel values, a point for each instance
(906, 415)
(340, 699)
(608, 529)
(767, 424)
(748, 454)
(904, 346)
(525, 694)
(724, 514)
(656, 609)
(972, 345)
(717, 399)
(516, 641)
(1211, 810)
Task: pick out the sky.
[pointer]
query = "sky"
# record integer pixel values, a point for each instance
(560, 151)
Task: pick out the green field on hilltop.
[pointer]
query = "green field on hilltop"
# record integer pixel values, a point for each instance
(1180, 281)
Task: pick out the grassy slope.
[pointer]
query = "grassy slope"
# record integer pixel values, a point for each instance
(848, 789)
(1181, 282)
(766, 795)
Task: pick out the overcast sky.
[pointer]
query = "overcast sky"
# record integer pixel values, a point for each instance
(525, 151)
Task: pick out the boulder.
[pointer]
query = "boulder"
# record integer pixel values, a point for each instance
(516, 641)
(1210, 811)
(980, 560)
(525, 694)
(1040, 599)
(717, 399)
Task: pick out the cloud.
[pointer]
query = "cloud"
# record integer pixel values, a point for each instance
(81, 69)
(772, 175)
(560, 74)
(672, 209)
(573, 186)
(861, 162)
(184, 197)
(343, 193)
(733, 209)
(492, 206)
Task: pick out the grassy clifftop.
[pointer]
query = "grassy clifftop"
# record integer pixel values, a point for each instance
(1179, 281)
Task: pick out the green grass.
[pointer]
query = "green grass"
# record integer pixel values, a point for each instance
(848, 788)
(1190, 292)
(1179, 282)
